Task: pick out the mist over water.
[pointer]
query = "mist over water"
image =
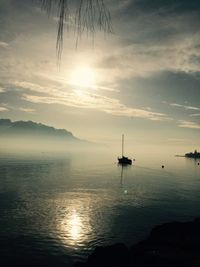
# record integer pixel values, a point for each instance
(57, 206)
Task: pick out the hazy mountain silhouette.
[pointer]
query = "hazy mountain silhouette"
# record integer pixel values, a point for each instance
(30, 128)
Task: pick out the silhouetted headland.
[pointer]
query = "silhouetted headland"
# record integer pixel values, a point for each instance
(174, 244)
(7, 127)
(29, 135)
(195, 155)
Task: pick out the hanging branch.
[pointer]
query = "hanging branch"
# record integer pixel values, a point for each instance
(90, 15)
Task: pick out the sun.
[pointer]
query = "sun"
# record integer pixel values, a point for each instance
(83, 77)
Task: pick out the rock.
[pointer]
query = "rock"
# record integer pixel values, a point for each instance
(175, 244)
(116, 255)
(169, 245)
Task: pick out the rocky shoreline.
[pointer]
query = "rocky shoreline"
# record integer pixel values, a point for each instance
(174, 244)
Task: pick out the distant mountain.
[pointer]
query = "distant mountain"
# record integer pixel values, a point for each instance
(33, 129)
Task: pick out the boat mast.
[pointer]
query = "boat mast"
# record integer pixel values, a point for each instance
(122, 145)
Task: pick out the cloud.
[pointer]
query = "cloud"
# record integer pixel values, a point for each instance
(3, 44)
(188, 124)
(31, 86)
(6, 106)
(181, 140)
(28, 110)
(2, 89)
(3, 109)
(143, 59)
(195, 115)
(85, 99)
(161, 7)
(184, 106)
(154, 37)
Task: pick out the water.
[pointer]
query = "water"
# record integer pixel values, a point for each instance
(56, 209)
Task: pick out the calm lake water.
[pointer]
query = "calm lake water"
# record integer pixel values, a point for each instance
(56, 209)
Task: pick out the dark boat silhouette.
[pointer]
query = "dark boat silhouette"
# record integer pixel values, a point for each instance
(194, 155)
(124, 160)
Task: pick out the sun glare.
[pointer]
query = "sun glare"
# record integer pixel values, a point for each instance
(74, 227)
(83, 77)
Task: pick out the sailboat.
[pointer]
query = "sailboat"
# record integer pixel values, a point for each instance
(124, 160)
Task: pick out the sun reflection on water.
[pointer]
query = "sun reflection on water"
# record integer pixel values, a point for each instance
(74, 227)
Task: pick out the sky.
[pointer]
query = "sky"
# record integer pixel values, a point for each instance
(142, 80)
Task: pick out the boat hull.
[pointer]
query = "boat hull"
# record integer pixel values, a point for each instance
(124, 161)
